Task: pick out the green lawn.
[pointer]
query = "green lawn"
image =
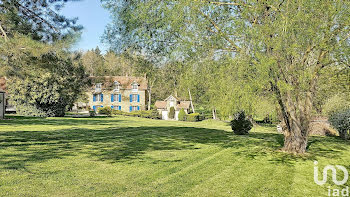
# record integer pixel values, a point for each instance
(125, 156)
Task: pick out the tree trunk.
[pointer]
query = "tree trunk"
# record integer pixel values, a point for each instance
(149, 98)
(295, 143)
(214, 113)
(296, 115)
(189, 92)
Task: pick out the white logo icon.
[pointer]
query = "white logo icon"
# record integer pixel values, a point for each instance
(334, 174)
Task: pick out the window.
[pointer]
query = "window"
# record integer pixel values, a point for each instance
(116, 98)
(134, 98)
(98, 87)
(117, 107)
(98, 97)
(135, 87)
(116, 86)
(134, 108)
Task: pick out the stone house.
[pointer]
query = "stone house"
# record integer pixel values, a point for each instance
(163, 107)
(119, 92)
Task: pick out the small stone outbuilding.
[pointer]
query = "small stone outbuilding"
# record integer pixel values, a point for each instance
(163, 107)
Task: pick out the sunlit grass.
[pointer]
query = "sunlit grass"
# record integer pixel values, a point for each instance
(126, 156)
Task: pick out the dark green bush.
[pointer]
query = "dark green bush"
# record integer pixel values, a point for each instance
(341, 121)
(105, 110)
(171, 113)
(241, 125)
(182, 115)
(192, 117)
(146, 114)
(92, 113)
(155, 114)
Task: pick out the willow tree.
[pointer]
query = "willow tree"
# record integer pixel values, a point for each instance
(285, 44)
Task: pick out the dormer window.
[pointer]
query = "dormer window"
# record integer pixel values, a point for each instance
(98, 87)
(116, 86)
(135, 87)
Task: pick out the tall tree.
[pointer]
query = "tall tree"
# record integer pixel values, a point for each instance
(284, 44)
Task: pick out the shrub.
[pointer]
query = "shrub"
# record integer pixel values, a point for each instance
(341, 121)
(182, 115)
(241, 125)
(105, 110)
(92, 113)
(117, 112)
(335, 104)
(192, 117)
(155, 114)
(171, 113)
(146, 114)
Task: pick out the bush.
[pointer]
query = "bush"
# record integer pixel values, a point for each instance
(241, 125)
(155, 114)
(146, 114)
(92, 113)
(192, 117)
(117, 112)
(105, 110)
(341, 121)
(182, 115)
(335, 104)
(171, 113)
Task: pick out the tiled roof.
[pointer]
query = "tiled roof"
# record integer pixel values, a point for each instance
(160, 104)
(125, 82)
(184, 105)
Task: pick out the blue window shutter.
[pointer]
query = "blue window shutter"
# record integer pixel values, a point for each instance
(101, 106)
(138, 108)
(120, 108)
(94, 97)
(130, 98)
(94, 108)
(138, 98)
(112, 107)
(101, 97)
(130, 108)
(120, 98)
(112, 97)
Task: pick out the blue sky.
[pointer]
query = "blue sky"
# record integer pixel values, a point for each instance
(93, 17)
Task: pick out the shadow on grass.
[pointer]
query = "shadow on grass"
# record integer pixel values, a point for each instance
(68, 121)
(20, 148)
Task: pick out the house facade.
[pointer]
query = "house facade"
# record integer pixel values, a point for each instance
(163, 107)
(118, 92)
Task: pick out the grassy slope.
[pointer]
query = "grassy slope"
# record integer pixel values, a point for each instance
(125, 156)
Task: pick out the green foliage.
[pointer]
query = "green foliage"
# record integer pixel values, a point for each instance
(105, 110)
(241, 125)
(155, 114)
(171, 113)
(40, 20)
(47, 85)
(340, 120)
(182, 115)
(335, 103)
(92, 113)
(194, 117)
